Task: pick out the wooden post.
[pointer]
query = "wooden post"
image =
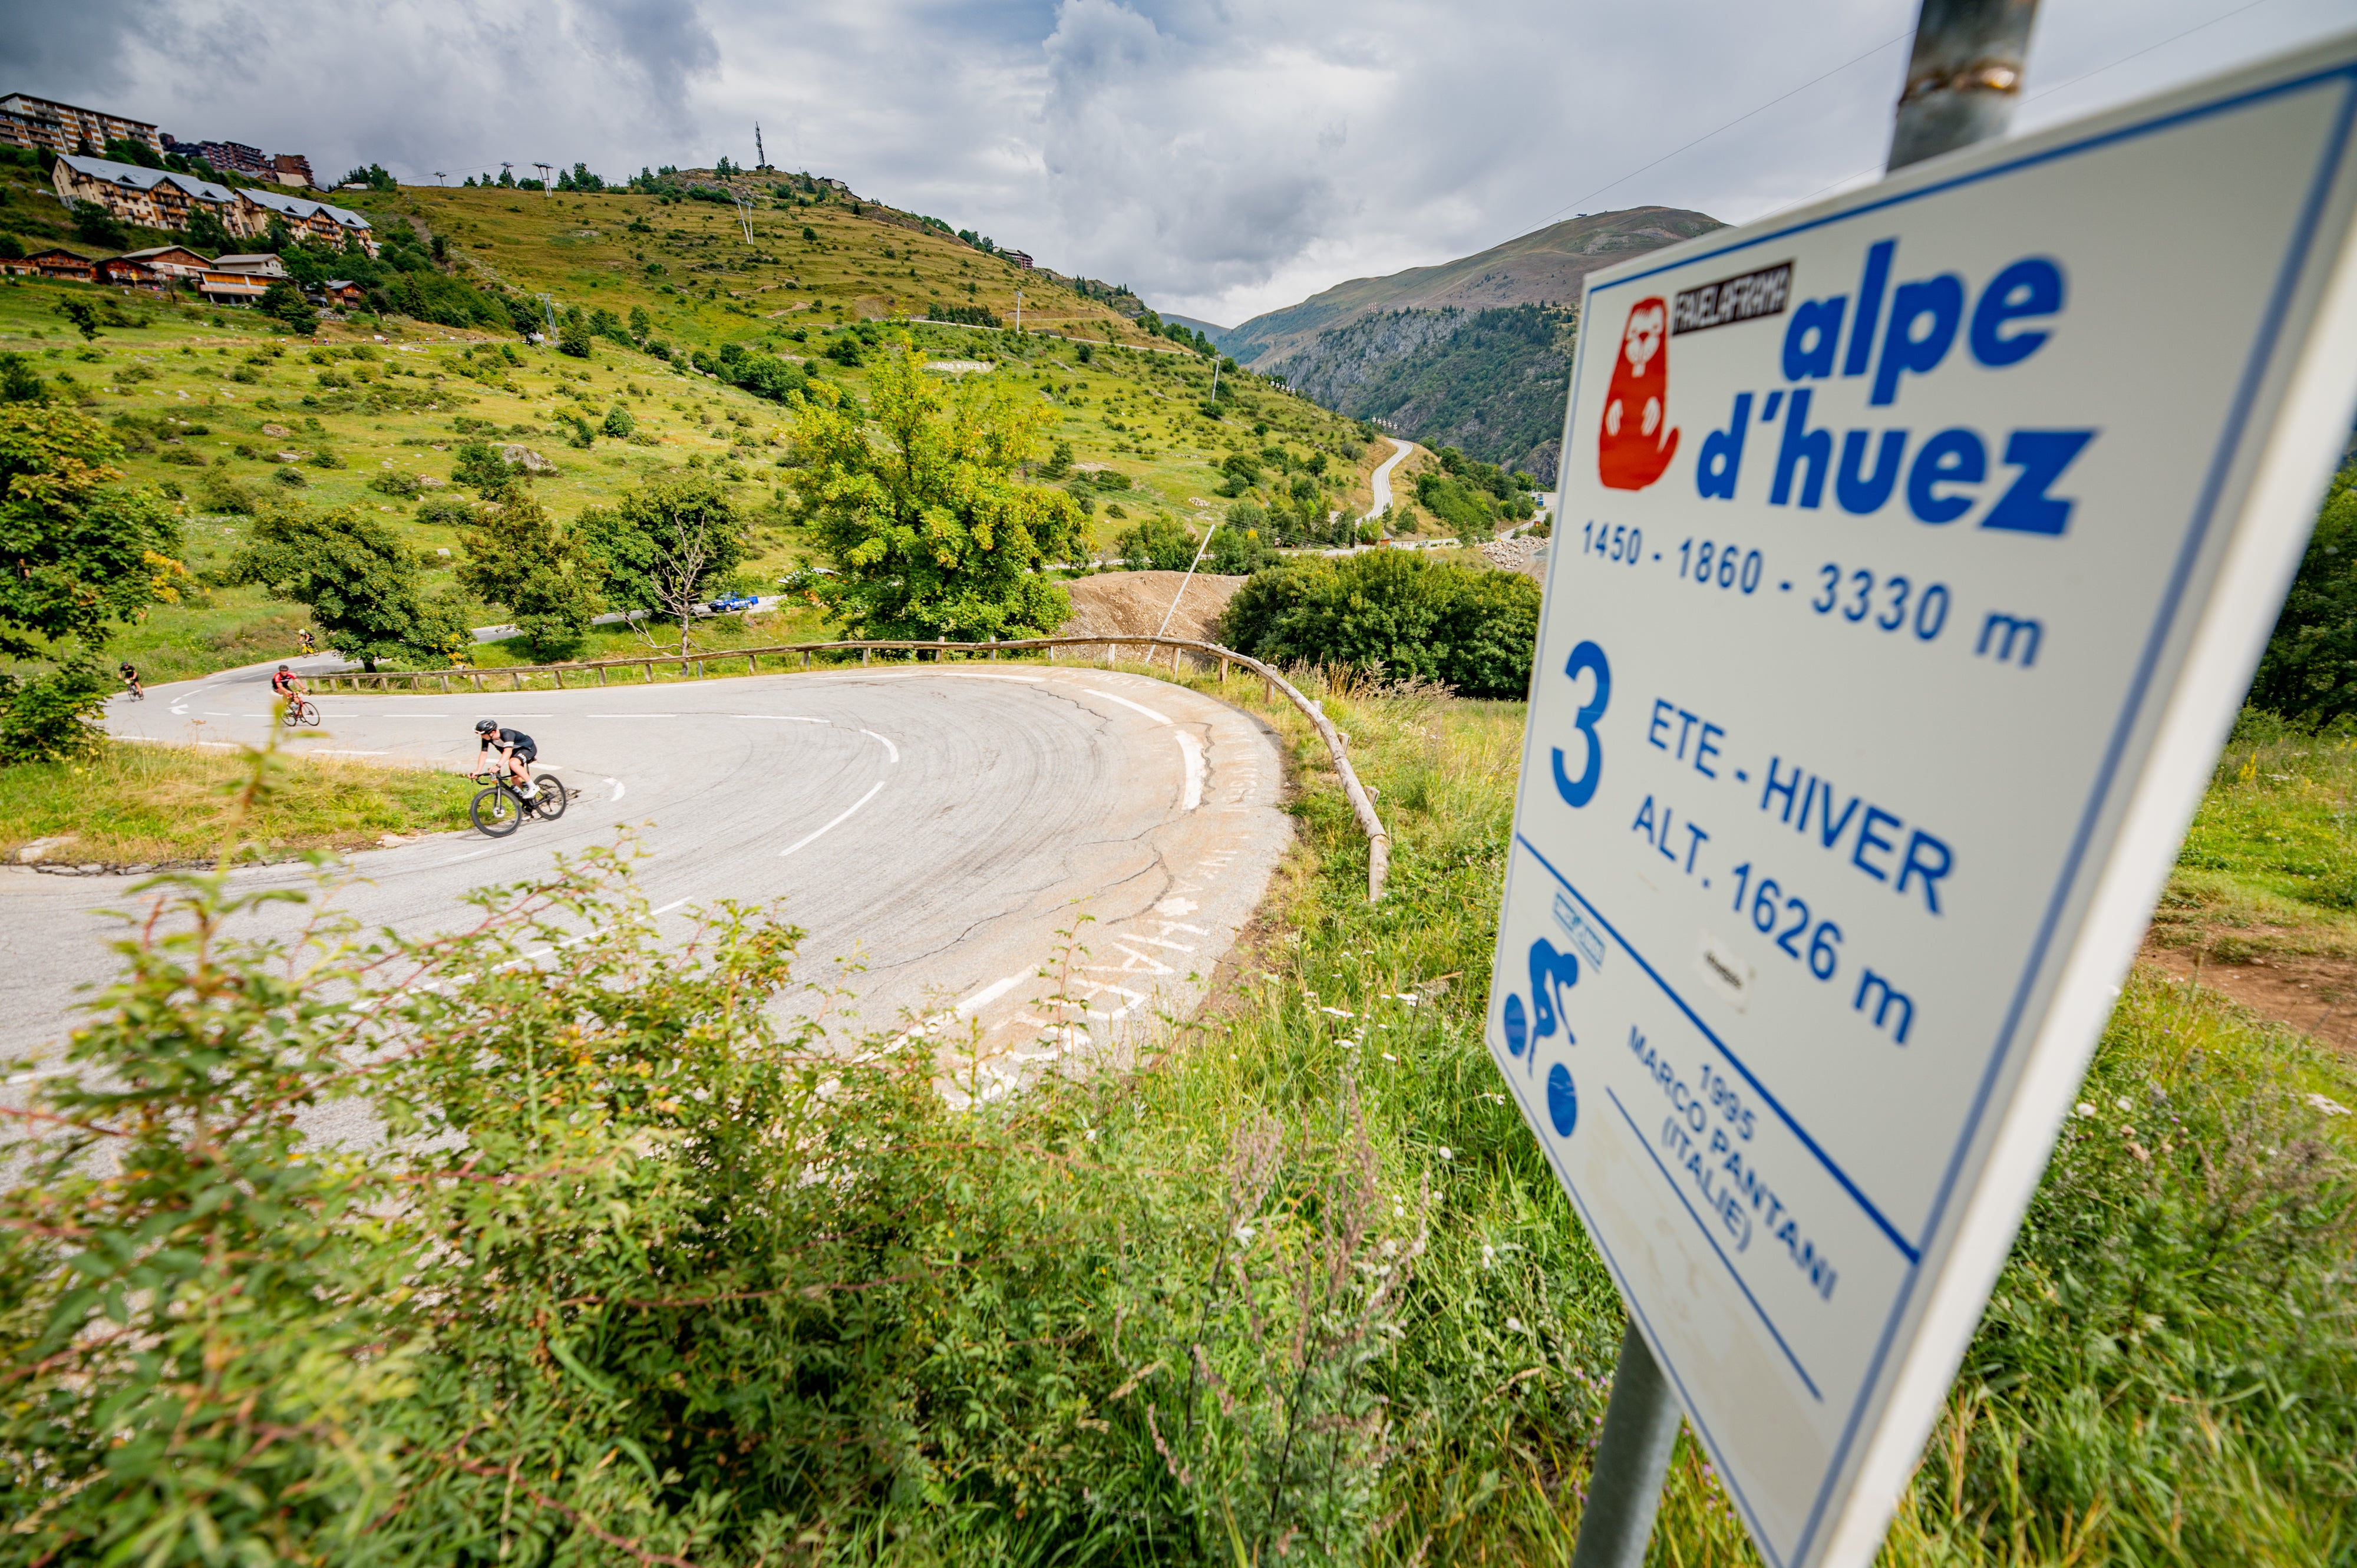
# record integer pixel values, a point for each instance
(806, 659)
(1223, 671)
(601, 674)
(478, 679)
(650, 671)
(557, 673)
(863, 656)
(750, 668)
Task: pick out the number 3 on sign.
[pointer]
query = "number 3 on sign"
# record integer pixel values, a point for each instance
(1580, 790)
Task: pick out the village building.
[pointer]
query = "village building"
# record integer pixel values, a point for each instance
(255, 263)
(151, 197)
(126, 273)
(294, 169)
(29, 122)
(53, 262)
(170, 261)
(343, 294)
(306, 219)
(1018, 258)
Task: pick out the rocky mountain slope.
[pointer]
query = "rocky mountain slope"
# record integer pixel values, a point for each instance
(1472, 353)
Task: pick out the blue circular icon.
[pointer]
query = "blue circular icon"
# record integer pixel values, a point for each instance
(1518, 1026)
(1563, 1101)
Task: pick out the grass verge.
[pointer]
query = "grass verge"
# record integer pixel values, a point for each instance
(2166, 1371)
(128, 805)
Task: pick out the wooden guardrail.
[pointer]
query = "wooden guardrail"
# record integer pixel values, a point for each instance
(694, 665)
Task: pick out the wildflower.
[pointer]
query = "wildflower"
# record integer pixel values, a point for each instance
(2085, 1108)
(1515, 1325)
(2123, 1103)
(1489, 1256)
(1446, 1153)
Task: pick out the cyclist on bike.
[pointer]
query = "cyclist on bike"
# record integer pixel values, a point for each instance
(131, 682)
(287, 687)
(515, 748)
(303, 643)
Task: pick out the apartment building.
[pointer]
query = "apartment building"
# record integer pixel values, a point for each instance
(29, 122)
(158, 199)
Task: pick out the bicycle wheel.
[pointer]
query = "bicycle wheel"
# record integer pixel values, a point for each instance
(287, 715)
(496, 812)
(309, 714)
(550, 797)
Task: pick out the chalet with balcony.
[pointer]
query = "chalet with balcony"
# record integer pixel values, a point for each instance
(151, 197)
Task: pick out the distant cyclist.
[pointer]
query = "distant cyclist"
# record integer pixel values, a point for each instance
(131, 683)
(287, 687)
(515, 748)
(303, 643)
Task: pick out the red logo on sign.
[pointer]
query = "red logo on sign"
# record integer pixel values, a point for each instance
(1637, 442)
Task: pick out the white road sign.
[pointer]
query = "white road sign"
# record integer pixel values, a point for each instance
(1914, 551)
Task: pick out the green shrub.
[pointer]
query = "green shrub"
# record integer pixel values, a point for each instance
(2308, 671)
(397, 483)
(53, 714)
(1393, 615)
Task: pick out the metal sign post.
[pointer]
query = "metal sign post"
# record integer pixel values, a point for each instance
(1914, 551)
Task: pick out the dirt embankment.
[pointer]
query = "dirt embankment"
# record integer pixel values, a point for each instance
(1131, 604)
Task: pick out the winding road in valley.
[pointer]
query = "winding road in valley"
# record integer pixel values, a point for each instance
(932, 828)
(1382, 481)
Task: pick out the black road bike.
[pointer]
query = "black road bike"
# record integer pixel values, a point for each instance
(499, 808)
(299, 711)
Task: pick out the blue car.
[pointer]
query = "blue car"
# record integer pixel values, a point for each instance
(733, 602)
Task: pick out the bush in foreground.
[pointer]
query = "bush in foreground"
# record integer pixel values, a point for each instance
(1393, 616)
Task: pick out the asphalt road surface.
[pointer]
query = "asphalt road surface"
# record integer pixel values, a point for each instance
(932, 828)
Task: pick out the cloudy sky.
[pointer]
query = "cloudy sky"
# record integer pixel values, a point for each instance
(1222, 159)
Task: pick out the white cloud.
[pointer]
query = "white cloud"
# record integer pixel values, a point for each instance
(1223, 159)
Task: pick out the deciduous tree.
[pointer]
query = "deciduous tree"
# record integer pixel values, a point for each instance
(666, 546)
(929, 528)
(360, 583)
(518, 556)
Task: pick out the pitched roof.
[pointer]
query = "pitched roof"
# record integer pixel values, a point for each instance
(132, 177)
(154, 250)
(297, 207)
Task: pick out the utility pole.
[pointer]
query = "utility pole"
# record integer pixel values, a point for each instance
(439, 178)
(760, 158)
(545, 169)
(1964, 82)
(1018, 310)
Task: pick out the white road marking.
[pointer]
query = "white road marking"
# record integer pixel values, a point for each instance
(1193, 749)
(984, 675)
(618, 787)
(838, 822)
(1124, 702)
(334, 751)
(668, 908)
(782, 718)
(888, 745)
(988, 995)
(623, 716)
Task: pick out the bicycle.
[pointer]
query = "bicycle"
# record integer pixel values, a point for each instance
(499, 808)
(299, 711)
(138, 693)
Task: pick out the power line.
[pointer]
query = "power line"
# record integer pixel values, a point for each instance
(1739, 119)
(2042, 92)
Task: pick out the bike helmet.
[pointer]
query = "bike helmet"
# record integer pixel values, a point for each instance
(486, 726)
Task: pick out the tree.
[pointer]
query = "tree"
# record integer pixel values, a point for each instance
(2308, 670)
(1394, 615)
(82, 553)
(373, 176)
(95, 225)
(82, 313)
(20, 382)
(519, 556)
(573, 334)
(618, 423)
(666, 546)
(1158, 544)
(285, 302)
(479, 465)
(205, 232)
(930, 532)
(358, 581)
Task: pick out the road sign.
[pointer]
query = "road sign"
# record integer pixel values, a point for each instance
(1914, 552)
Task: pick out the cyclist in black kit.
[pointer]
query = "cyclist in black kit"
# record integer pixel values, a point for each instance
(515, 748)
(131, 683)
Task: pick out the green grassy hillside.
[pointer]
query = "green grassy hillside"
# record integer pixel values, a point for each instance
(219, 407)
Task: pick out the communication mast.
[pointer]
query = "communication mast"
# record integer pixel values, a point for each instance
(760, 158)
